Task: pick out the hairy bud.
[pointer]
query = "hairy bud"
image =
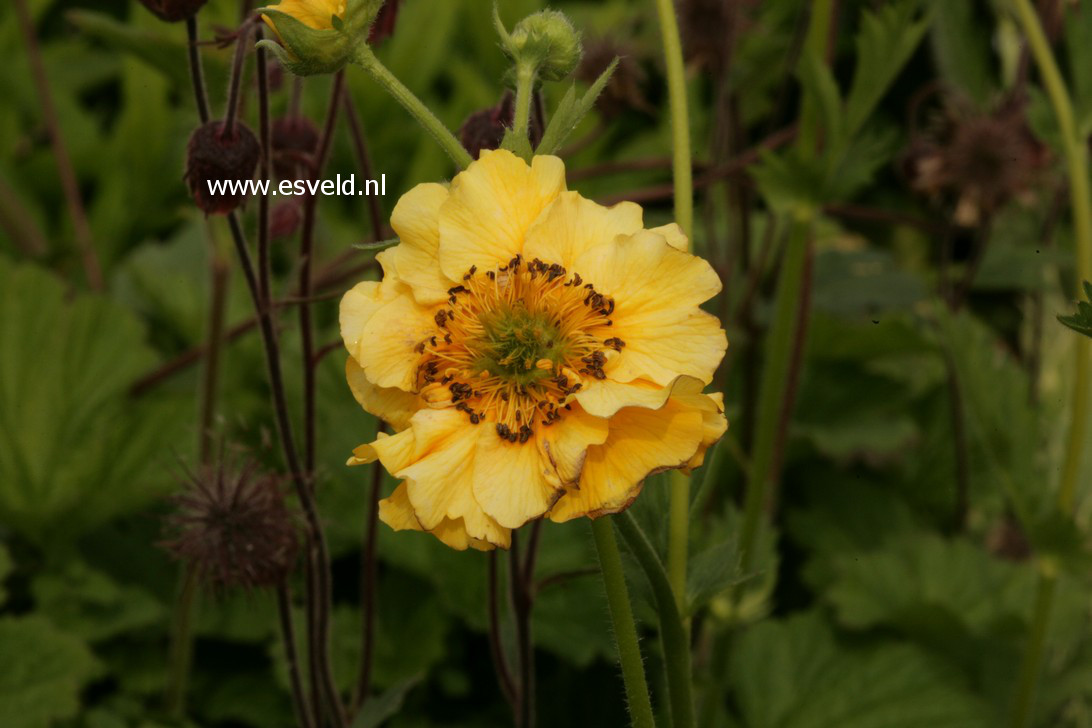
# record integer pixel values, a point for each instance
(545, 41)
(216, 155)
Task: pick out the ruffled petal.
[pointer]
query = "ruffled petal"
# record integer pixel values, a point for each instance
(492, 205)
(657, 290)
(566, 442)
(415, 260)
(397, 512)
(390, 404)
(572, 225)
(391, 331)
(714, 425)
(603, 398)
(640, 442)
(514, 482)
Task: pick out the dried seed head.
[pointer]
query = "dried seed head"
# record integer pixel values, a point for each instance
(233, 527)
(216, 155)
(976, 161)
(173, 11)
(295, 139)
(485, 129)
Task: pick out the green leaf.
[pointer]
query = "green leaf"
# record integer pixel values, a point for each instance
(793, 674)
(1081, 322)
(6, 567)
(161, 51)
(42, 673)
(90, 604)
(886, 41)
(961, 48)
(74, 449)
(570, 112)
(379, 708)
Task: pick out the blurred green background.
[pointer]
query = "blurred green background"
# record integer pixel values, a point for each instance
(916, 504)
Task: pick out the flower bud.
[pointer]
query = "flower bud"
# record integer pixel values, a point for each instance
(545, 41)
(215, 155)
(295, 139)
(318, 36)
(173, 11)
(485, 129)
(234, 528)
(285, 219)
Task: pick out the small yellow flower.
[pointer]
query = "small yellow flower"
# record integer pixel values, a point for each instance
(317, 14)
(537, 354)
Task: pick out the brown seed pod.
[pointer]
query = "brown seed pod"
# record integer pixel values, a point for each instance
(295, 140)
(215, 155)
(173, 11)
(485, 129)
(233, 527)
(285, 219)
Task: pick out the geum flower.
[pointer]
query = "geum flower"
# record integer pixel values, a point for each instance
(536, 354)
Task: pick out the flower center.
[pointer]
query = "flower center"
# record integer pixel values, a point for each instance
(513, 344)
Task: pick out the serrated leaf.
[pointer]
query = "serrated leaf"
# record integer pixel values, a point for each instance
(42, 673)
(793, 674)
(90, 604)
(74, 449)
(886, 41)
(1081, 321)
(961, 48)
(570, 112)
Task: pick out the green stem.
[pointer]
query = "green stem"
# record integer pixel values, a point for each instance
(525, 86)
(673, 633)
(625, 629)
(1076, 155)
(678, 523)
(417, 109)
(779, 346)
(181, 650)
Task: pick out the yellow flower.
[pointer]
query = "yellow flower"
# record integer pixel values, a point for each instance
(317, 14)
(536, 354)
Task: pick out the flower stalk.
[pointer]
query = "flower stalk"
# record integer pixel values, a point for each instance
(625, 628)
(1076, 157)
(371, 64)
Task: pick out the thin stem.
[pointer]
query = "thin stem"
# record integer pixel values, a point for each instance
(368, 572)
(521, 607)
(181, 651)
(416, 108)
(219, 277)
(678, 521)
(496, 650)
(959, 443)
(306, 282)
(238, 70)
(197, 75)
(265, 137)
(364, 161)
(773, 391)
(1076, 154)
(300, 705)
(625, 628)
(67, 173)
(673, 632)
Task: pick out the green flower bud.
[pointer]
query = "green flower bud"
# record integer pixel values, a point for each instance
(318, 36)
(545, 41)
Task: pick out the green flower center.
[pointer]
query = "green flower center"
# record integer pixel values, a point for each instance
(516, 344)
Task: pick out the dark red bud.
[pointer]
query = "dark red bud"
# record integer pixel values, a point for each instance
(285, 219)
(385, 21)
(215, 155)
(485, 129)
(295, 139)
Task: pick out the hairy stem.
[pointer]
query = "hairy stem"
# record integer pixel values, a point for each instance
(1076, 156)
(673, 632)
(625, 628)
(416, 108)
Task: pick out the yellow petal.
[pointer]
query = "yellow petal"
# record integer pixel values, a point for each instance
(640, 442)
(572, 225)
(387, 345)
(390, 404)
(315, 14)
(514, 482)
(492, 205)
(416, 221)
(674, 236)
(603, 398)
(357, 307)
(714, 425)
(397, 512)
(566, 442)
(657, 290)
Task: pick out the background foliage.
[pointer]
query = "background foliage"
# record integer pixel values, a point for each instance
(916, 502)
